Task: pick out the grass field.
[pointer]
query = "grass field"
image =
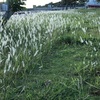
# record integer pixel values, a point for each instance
(51, 56)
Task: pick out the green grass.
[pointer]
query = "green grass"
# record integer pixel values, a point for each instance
(90, 10)
(68, 70)
(66, 74)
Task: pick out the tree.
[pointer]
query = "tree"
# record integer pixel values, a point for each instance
(13, 6)
(82, 1)
(67, 2)
(64, 2)
(72, 2)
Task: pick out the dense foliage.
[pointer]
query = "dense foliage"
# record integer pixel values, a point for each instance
(15, 5)
(68, 2)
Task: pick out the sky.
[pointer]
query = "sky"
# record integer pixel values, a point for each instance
(30, 3)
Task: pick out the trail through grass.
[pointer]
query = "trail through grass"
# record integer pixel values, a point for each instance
(67, 73)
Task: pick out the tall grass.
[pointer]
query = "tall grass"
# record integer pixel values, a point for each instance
(26, 38)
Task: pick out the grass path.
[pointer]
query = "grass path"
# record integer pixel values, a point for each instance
(67, 74)
(70, 70)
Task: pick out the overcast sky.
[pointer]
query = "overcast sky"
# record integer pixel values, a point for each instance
(30, 3)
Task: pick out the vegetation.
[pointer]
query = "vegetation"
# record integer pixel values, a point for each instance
(66, 3)
(51, 56)
(69, 2)
(13, 6)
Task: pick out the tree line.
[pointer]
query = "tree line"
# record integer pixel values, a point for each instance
(68, 2)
